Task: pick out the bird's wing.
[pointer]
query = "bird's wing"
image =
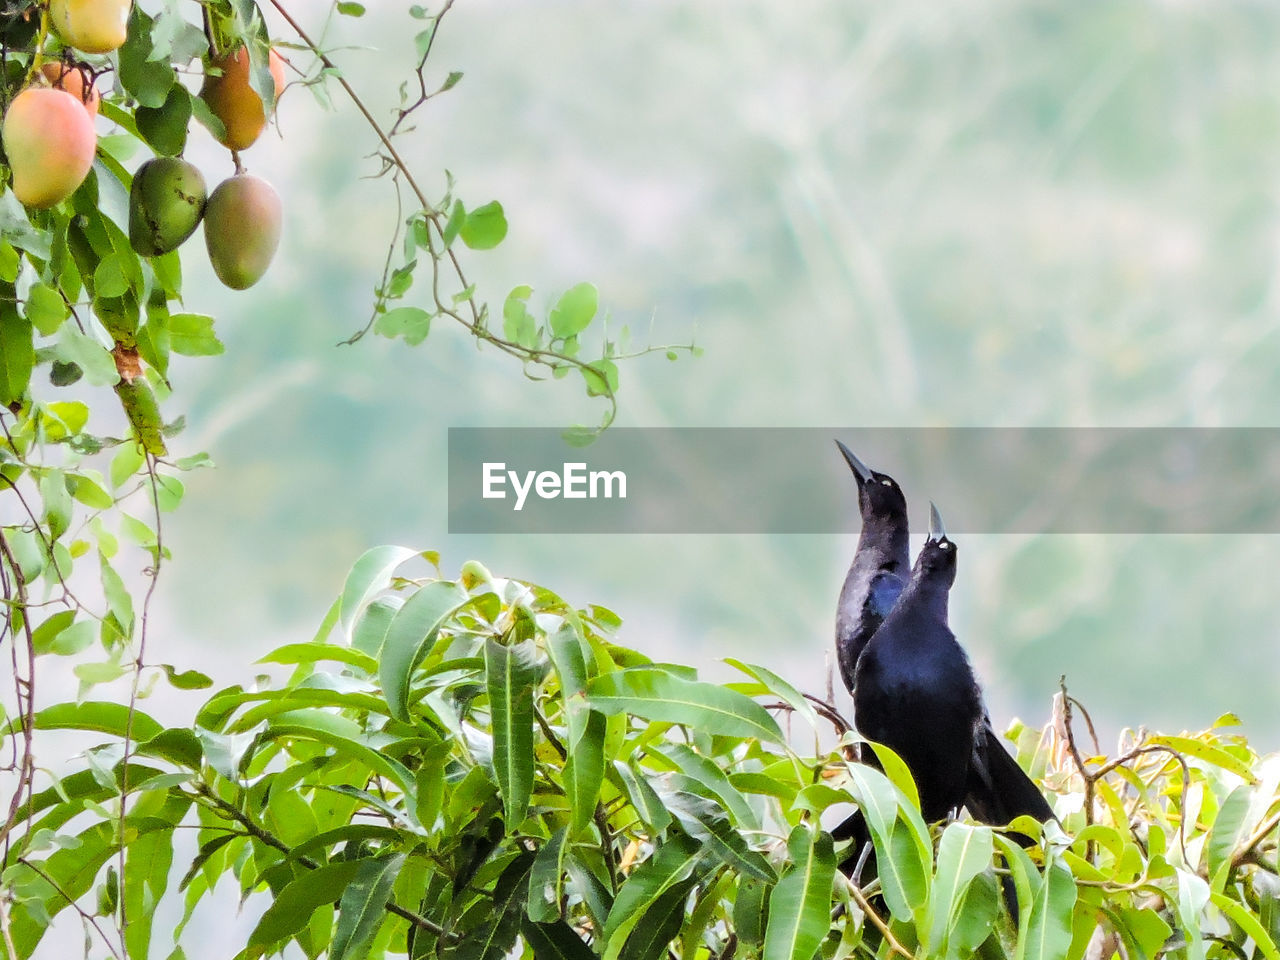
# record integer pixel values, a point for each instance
(883, 593)
(999, 789)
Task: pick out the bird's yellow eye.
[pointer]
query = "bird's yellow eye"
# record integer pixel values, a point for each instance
(887, 483)
(944, 545)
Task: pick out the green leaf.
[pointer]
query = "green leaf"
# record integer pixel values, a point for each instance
(314, 652)
(1049, 926)
(780, 688)
(518, 324)
(655, 694)
(704, 821)
(485, 227)
(574, 310)
(87, 490)
(457, 217)
(186, 679)
(751, 912)
(555, 941)
(963, 854)
(371, 629)
(511, 675)
(119, 600)
(165, 127)
(412, 323)
(17, 353)
(800, 904)
(149, 81)
(62, 637)
(369, 576)
(904, 855)
(363, 906)
(96, 717)
(601, 378)
(1206, 752)
(351, 9)
(89, 355)
(300, 898)
(17, 229)
(45, 308)
(546, 880)
(643, 798)
(713, 780)
(662, 923)
(671, 863)
(126, 463)
(191, 334)
(412, 630)
(146, 876)
(57, 503)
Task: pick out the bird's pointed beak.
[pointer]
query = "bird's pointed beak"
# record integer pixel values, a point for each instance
(859, 468)
(936, 530)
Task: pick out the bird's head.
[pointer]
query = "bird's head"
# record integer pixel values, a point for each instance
(879, 496)
(937, 559)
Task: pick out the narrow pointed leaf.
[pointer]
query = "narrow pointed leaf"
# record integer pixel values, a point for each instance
(670, 864)
(363, 906)
(412, 630)
(369, 575)
(800, 904)
(555, 941)
(963, 853)
(511, 673)
(655, 694)
(1049, 926)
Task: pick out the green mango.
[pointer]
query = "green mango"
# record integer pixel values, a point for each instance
(242, 229)
(166, 202)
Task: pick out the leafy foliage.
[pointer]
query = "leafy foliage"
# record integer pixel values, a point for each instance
(496, 773)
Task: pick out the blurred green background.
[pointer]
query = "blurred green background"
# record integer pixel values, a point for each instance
(972, 213)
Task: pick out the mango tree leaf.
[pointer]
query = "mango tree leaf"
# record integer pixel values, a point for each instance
(671, 863)
(751, 912)
(1049, 930)
(662, 923)
(644, 799)
(963, 853)
(655, 694)
(546, 880)
(412, 630)
(800, 904)
(555, 941)
(1206, 752)
(369, 575)
(511, 673)
(904, 855)
(362, 907)
(705, 821)
(300, 898)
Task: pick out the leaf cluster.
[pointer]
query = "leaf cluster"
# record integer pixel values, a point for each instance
(473, 767)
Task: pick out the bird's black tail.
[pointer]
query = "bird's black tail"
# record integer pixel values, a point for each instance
(999, 789)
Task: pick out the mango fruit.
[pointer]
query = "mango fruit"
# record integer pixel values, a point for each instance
(242, 229)
(166, 203)
(94, 26)
(75, 79)
(49, 139)
(234, 102)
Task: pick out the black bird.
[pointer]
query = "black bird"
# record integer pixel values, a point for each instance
(881, 564)
(914, 691)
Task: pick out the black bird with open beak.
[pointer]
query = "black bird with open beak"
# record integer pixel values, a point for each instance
(880, 568)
